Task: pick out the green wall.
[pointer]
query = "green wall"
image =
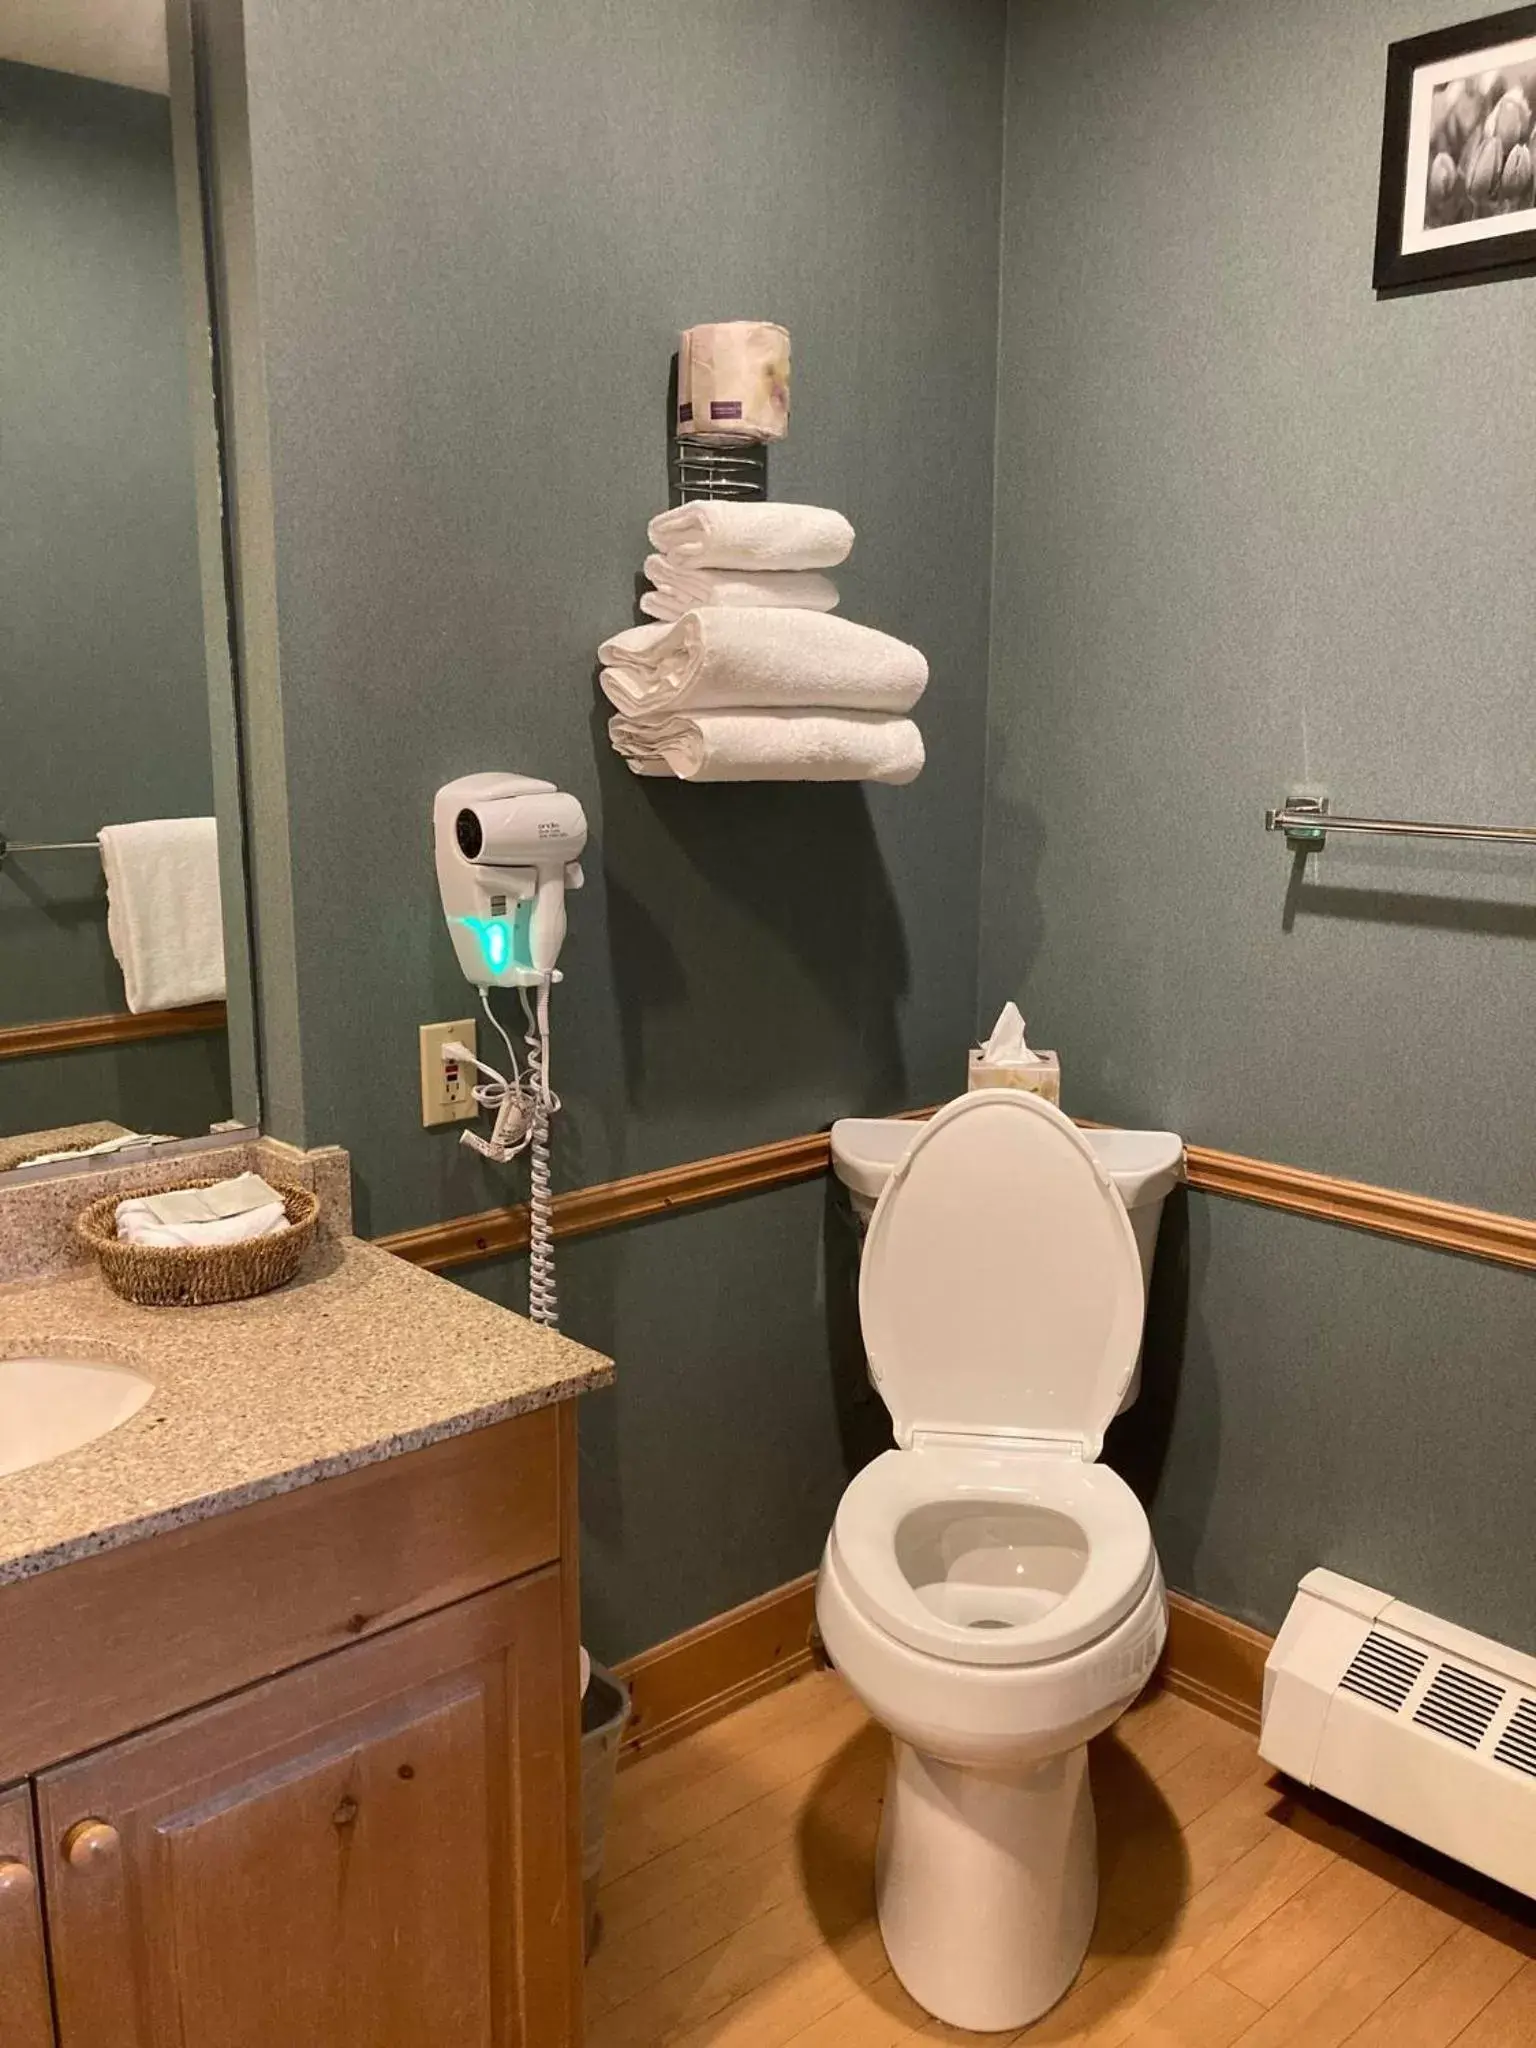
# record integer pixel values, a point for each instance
(1250, 527)
(455, 269)
(1255, 528)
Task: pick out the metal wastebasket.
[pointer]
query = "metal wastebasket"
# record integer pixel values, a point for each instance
(604, 1710)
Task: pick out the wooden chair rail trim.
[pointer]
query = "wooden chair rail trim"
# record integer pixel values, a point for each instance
(1388, 1212)
(1418, 1219)
(118, 1027)
(496, 1231)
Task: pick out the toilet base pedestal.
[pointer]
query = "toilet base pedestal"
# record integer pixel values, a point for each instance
(986, 1885)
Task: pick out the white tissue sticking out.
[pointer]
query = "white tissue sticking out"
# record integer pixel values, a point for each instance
(1006, 1045)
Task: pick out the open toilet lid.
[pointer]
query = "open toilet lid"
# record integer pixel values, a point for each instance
(1000, 1290)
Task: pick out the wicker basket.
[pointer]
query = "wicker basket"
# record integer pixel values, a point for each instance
(186, 1276)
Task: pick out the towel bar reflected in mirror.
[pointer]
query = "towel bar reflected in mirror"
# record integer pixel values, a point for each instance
(10, 846)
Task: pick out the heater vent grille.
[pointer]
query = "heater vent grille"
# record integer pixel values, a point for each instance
(1418, 1722)
(1383, 1670)
(1517, 1745)
(1459, 1705)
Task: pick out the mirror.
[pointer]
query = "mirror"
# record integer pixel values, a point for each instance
(107, 717)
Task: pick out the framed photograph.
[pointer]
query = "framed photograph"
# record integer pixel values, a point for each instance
(1458, 156)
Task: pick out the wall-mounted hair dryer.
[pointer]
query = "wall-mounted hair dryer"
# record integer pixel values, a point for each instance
(508, 848)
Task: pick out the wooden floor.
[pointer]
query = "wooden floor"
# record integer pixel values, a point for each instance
(737, 1907)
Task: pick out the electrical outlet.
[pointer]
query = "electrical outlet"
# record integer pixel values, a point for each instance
(447, 1085)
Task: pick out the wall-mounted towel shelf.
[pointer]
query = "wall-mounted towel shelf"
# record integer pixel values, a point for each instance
(1306, 822)
(9, 847)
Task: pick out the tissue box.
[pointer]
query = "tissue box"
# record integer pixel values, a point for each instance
(1040, 1074)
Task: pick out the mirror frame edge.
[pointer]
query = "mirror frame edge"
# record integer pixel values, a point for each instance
(214, 567)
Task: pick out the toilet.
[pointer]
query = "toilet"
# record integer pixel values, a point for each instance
(988, 1590)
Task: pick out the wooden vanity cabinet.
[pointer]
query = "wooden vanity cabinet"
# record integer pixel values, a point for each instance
(374, 1844)
(26, 2016)
(328, 1857)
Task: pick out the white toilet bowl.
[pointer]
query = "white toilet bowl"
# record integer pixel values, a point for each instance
(989, 1591)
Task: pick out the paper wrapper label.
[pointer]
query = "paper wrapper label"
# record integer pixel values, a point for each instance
(1040, 1074)
(733, 382)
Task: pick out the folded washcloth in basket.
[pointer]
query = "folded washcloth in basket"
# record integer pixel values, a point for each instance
(232, 1212)
(680, 589)
(758, 657)
(720, 533)
(772, 746)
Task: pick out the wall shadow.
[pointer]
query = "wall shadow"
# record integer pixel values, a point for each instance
(863, 1420)
(756, 920)
(1478, 916)
(1180, 1398)
(1137, 1443)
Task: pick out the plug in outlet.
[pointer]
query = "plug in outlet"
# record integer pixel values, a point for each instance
(447, 1085)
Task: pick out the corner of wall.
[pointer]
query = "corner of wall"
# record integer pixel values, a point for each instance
(979, 994)
(210, 70)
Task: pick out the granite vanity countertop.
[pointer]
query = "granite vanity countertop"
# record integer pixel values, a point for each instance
(359, 1359)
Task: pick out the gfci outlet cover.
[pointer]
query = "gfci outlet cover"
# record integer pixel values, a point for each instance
(447, 1089)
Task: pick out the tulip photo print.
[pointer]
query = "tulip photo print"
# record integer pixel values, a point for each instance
(1458, 156)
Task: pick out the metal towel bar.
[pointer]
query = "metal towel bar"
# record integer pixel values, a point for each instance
(10, 846)
(1306, 822)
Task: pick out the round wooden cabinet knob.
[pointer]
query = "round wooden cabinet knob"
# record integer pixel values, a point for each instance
(16, 1881)
(90, 1842)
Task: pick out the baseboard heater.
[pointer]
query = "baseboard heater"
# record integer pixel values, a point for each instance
(1422, 1724)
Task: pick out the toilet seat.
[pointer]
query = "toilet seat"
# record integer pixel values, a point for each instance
(1000, 1291)
(1001, 1299)
(866, 1543)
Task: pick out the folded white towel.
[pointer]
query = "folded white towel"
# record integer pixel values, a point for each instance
(137, 1225)
(725, 657)
(163, 911)
(126, 1143)
(719, 533)
(680, 589)
(772, 746)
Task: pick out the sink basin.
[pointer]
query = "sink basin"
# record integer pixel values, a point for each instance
(52, 1405)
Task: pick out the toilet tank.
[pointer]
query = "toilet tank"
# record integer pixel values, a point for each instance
(1144, 1166)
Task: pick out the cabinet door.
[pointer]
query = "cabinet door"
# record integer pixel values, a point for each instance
(26, 2017)
(369, 1851)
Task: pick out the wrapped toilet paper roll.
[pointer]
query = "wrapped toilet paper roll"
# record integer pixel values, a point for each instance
(733, 382)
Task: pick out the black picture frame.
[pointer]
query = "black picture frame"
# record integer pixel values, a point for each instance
(1454, 263)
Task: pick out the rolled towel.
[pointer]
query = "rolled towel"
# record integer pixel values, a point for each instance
(718, 533)
(724, 657)
(679, 589)
(772, 746)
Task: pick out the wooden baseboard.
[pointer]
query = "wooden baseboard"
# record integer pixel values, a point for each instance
(1215, 1662)
(1211, 1660)
(73, 1034)
(695, 1678)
